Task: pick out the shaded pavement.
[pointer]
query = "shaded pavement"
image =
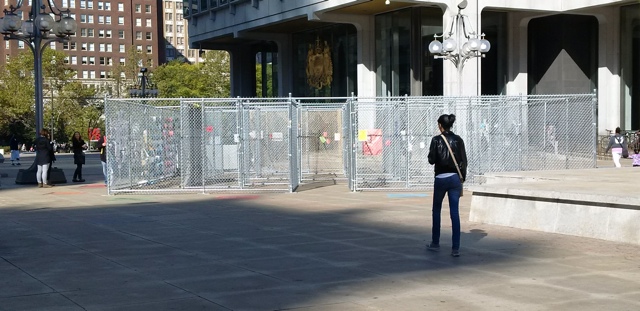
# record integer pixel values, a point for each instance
(72, 247)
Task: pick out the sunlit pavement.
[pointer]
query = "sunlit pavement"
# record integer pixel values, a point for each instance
(71, 247)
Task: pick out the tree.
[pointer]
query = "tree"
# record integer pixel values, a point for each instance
(208, 79)
(17, 98)
(123, 74)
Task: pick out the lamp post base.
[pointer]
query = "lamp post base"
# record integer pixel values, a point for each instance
(28, 176)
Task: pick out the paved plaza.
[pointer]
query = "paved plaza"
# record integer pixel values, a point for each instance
(72, 247)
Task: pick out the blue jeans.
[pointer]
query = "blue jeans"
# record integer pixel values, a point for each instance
(104, 171)
(452, 186)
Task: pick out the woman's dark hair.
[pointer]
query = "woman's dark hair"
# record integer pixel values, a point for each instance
(73, 138)
(446, 121)
(617, 130)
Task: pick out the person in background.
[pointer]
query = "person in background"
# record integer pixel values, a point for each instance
(102, 147)
(78, 146)
(44, 150)
(636, 158)
(15, 150)
(448, 180)
(617, 145)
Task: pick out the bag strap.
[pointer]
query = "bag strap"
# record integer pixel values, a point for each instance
(453, 156)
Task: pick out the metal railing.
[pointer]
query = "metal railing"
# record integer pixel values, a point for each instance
(242, 144)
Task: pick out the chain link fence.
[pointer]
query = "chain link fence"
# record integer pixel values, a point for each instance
(371, 143)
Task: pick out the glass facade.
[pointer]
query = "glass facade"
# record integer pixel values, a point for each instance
(404, 65)
(334, 50)
(630, 65)
(494, 64)
(267, 70)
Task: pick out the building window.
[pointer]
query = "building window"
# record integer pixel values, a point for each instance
(65, 4)
(191, 53)
(178, 16)
(138, 8)
(83, 18)
(108, 34)
(85, 60)
(101, 33)
(179, 28)
(107, 6)
(92, 47)
(178, 5)
(148, 49)
(72, 4)
(168, 16)
(83, 4)
(148, 22)
(74, 60)
(89, 4)
(92, 74)
(138, 22)
(109, 47)
(121, 7)
(84, 46)
(90, 19)
(100, 5)
(167, 5)
(148, 35)
(102, 61)
(109, 61)
(107, 20)
(103, 47)
(90, 32)
(122, 60)
(85, 74)
(139, 48)
(180, 40)
(120, 20)
(103, 74)
(92, 60)
(138, 35)
(83, 32)
(168, 28)
(120, 34)
(169, 39)
(121, 48)
(100, 19)
(147, 8)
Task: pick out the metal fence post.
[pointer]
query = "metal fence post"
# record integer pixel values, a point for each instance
(594, 118)
(406, 150)
(203, 148)
(240, 147)
(566, 133)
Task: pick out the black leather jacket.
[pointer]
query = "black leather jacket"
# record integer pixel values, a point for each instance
(439, 154)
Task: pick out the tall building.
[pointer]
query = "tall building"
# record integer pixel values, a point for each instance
(176, 33)
(107, 32)
(381, 48)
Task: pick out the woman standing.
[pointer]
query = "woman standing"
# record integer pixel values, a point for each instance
(44, 150)
(617, 146)
(78, 145)
(445, 151)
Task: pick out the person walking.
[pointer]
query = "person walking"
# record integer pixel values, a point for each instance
(448, 154)
(78, 146)
(617, 146)
(102, 147)
(15, 150)
(44, 150)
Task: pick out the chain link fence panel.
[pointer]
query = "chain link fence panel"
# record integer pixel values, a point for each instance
(373, 143)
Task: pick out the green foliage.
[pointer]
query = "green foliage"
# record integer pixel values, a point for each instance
(72, 108)
(210, 78)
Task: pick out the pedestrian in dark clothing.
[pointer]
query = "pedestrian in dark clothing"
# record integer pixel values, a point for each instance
(78, 146)
(44, 150)
(445, 154)
(102, 147)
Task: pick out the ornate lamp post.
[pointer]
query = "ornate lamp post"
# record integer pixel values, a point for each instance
(466, 45)
(141, 89)
(46, 24)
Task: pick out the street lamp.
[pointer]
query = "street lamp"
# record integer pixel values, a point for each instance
(141, 89)
(46, 24)
(466, 45)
